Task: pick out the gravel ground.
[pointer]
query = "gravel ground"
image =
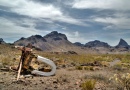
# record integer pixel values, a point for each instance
(62, 80)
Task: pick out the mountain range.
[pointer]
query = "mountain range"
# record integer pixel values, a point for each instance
(122, 44)
(58, 42)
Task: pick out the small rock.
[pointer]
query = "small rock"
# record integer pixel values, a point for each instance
(55, 82)
(35, 84)
(76, 83)
(1, 81)
(55, 86)
(41, 81)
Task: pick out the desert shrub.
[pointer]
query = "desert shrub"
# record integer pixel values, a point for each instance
(122, 81)
(117, 67)
(88, 85)
(79, 68)
(125, 60)
(87, 77)
(99, 77)
(91, 68)
(6, 61)
(105, 63)
(87, 68)
(63, 79)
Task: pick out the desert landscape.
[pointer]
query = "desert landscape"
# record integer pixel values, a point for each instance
(93, 67)
(64, 44)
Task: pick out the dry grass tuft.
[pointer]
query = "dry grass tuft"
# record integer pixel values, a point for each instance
(88, 85)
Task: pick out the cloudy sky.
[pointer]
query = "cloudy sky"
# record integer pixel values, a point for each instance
(81, 20)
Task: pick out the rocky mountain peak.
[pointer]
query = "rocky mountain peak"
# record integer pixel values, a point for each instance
(122, 43)
(38, 36)
(22, 38)
(78, 44)
(53, 40)
(52, 34)
(56, 36)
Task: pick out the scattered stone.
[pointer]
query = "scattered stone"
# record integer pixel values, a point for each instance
(56, 86)
(28, 76)
(1, 81)
(14, 68)
(77, 83)
(55, 82)
(35, 84)
(41, 81)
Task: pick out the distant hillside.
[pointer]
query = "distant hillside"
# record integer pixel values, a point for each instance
(53, 41)
(97, 43)
(103, 47)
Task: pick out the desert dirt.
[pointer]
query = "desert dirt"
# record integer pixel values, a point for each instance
(64, 79)
(69, 75)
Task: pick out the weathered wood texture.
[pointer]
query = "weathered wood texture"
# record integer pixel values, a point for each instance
(26, 59)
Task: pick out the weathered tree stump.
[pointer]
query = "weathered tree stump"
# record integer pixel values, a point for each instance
(25, 60)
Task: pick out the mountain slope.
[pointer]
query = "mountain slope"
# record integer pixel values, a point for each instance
(53, 41)
(36, 40)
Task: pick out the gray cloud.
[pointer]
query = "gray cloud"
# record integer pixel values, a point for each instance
(80, 20)
(38, 10)
(118, 18)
